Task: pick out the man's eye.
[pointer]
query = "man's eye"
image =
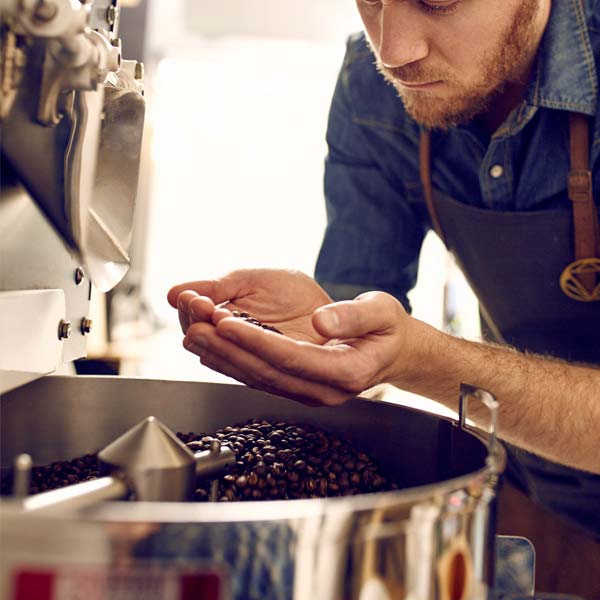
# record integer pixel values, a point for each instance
(440, 7)
(443, 7)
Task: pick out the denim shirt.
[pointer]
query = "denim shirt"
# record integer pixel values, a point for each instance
(377, 218)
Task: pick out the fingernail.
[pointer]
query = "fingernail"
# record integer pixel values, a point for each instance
(199, 341)
(193, 313)
(330, 319)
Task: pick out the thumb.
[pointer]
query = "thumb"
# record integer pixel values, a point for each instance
(370, 312)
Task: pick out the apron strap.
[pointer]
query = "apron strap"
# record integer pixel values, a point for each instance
(585, 218)
(585, 214)
(425, 170)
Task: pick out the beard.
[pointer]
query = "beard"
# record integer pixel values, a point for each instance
(507, 63)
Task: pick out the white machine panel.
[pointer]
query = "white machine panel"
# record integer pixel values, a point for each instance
(30, 321)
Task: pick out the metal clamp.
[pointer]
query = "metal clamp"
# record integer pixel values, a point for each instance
(486, 398)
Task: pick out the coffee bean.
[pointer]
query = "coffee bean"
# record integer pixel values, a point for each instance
(323, 485)
(274, 460)
(275, 436)
(250, 319)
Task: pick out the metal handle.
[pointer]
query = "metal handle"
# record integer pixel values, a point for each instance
(487, 399)
(80, 495)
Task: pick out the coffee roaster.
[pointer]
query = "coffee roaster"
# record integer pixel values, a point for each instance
(71, 114)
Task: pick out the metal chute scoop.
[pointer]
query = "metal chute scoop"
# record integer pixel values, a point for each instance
(157, 466)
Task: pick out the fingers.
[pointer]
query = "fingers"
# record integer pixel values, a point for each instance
(192, 308)
(372, 312)
(218, 290)
(183, 309)
(217, 363)
(221, 355)
(342, 366)
(205, 288)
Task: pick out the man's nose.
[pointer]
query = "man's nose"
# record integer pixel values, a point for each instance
(403, 35)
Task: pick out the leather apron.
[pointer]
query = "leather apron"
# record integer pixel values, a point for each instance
(513, 262)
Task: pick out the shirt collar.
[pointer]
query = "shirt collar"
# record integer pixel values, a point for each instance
(566, 72)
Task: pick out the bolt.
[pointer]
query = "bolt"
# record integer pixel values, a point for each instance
(64, 330)
(112, 14)
(79, 275)
(45, 11)
(139, 70)
(86, 325)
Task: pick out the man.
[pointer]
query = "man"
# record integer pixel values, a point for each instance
(491, 143)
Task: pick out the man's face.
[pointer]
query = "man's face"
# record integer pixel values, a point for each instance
(449, 58)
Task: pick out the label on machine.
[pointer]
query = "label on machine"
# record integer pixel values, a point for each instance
(118, 583)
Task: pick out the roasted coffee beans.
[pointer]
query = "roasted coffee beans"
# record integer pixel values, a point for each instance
(250, 319)
(57, 475)
(280, 461)
(276, 460)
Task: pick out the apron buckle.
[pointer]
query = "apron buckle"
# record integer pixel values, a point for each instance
(579, 280)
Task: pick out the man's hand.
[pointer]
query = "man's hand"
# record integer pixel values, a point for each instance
(284, 299)
(329, 353)
(333, 351)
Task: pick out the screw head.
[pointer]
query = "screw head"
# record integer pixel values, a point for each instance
(86, 325)
(79, 275)
(112, 14)
(64, 330)
(45, 11)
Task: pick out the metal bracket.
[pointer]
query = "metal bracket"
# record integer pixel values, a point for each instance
(489, 401)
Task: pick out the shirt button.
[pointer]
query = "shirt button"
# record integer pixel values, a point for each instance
(497, 171)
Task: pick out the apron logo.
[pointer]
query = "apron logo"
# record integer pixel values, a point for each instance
(579, 280)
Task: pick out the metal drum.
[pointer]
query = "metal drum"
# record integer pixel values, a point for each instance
(433, 539)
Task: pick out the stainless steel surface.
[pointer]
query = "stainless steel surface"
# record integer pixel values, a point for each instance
(22, 475)
(408, 542)
(63, 137)
(157, 465)
(75, 497)
(210, 462)
(148, 463)
(29, 344)
(111, 209)
(43, 267)
(489, 403)
(71, 120)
